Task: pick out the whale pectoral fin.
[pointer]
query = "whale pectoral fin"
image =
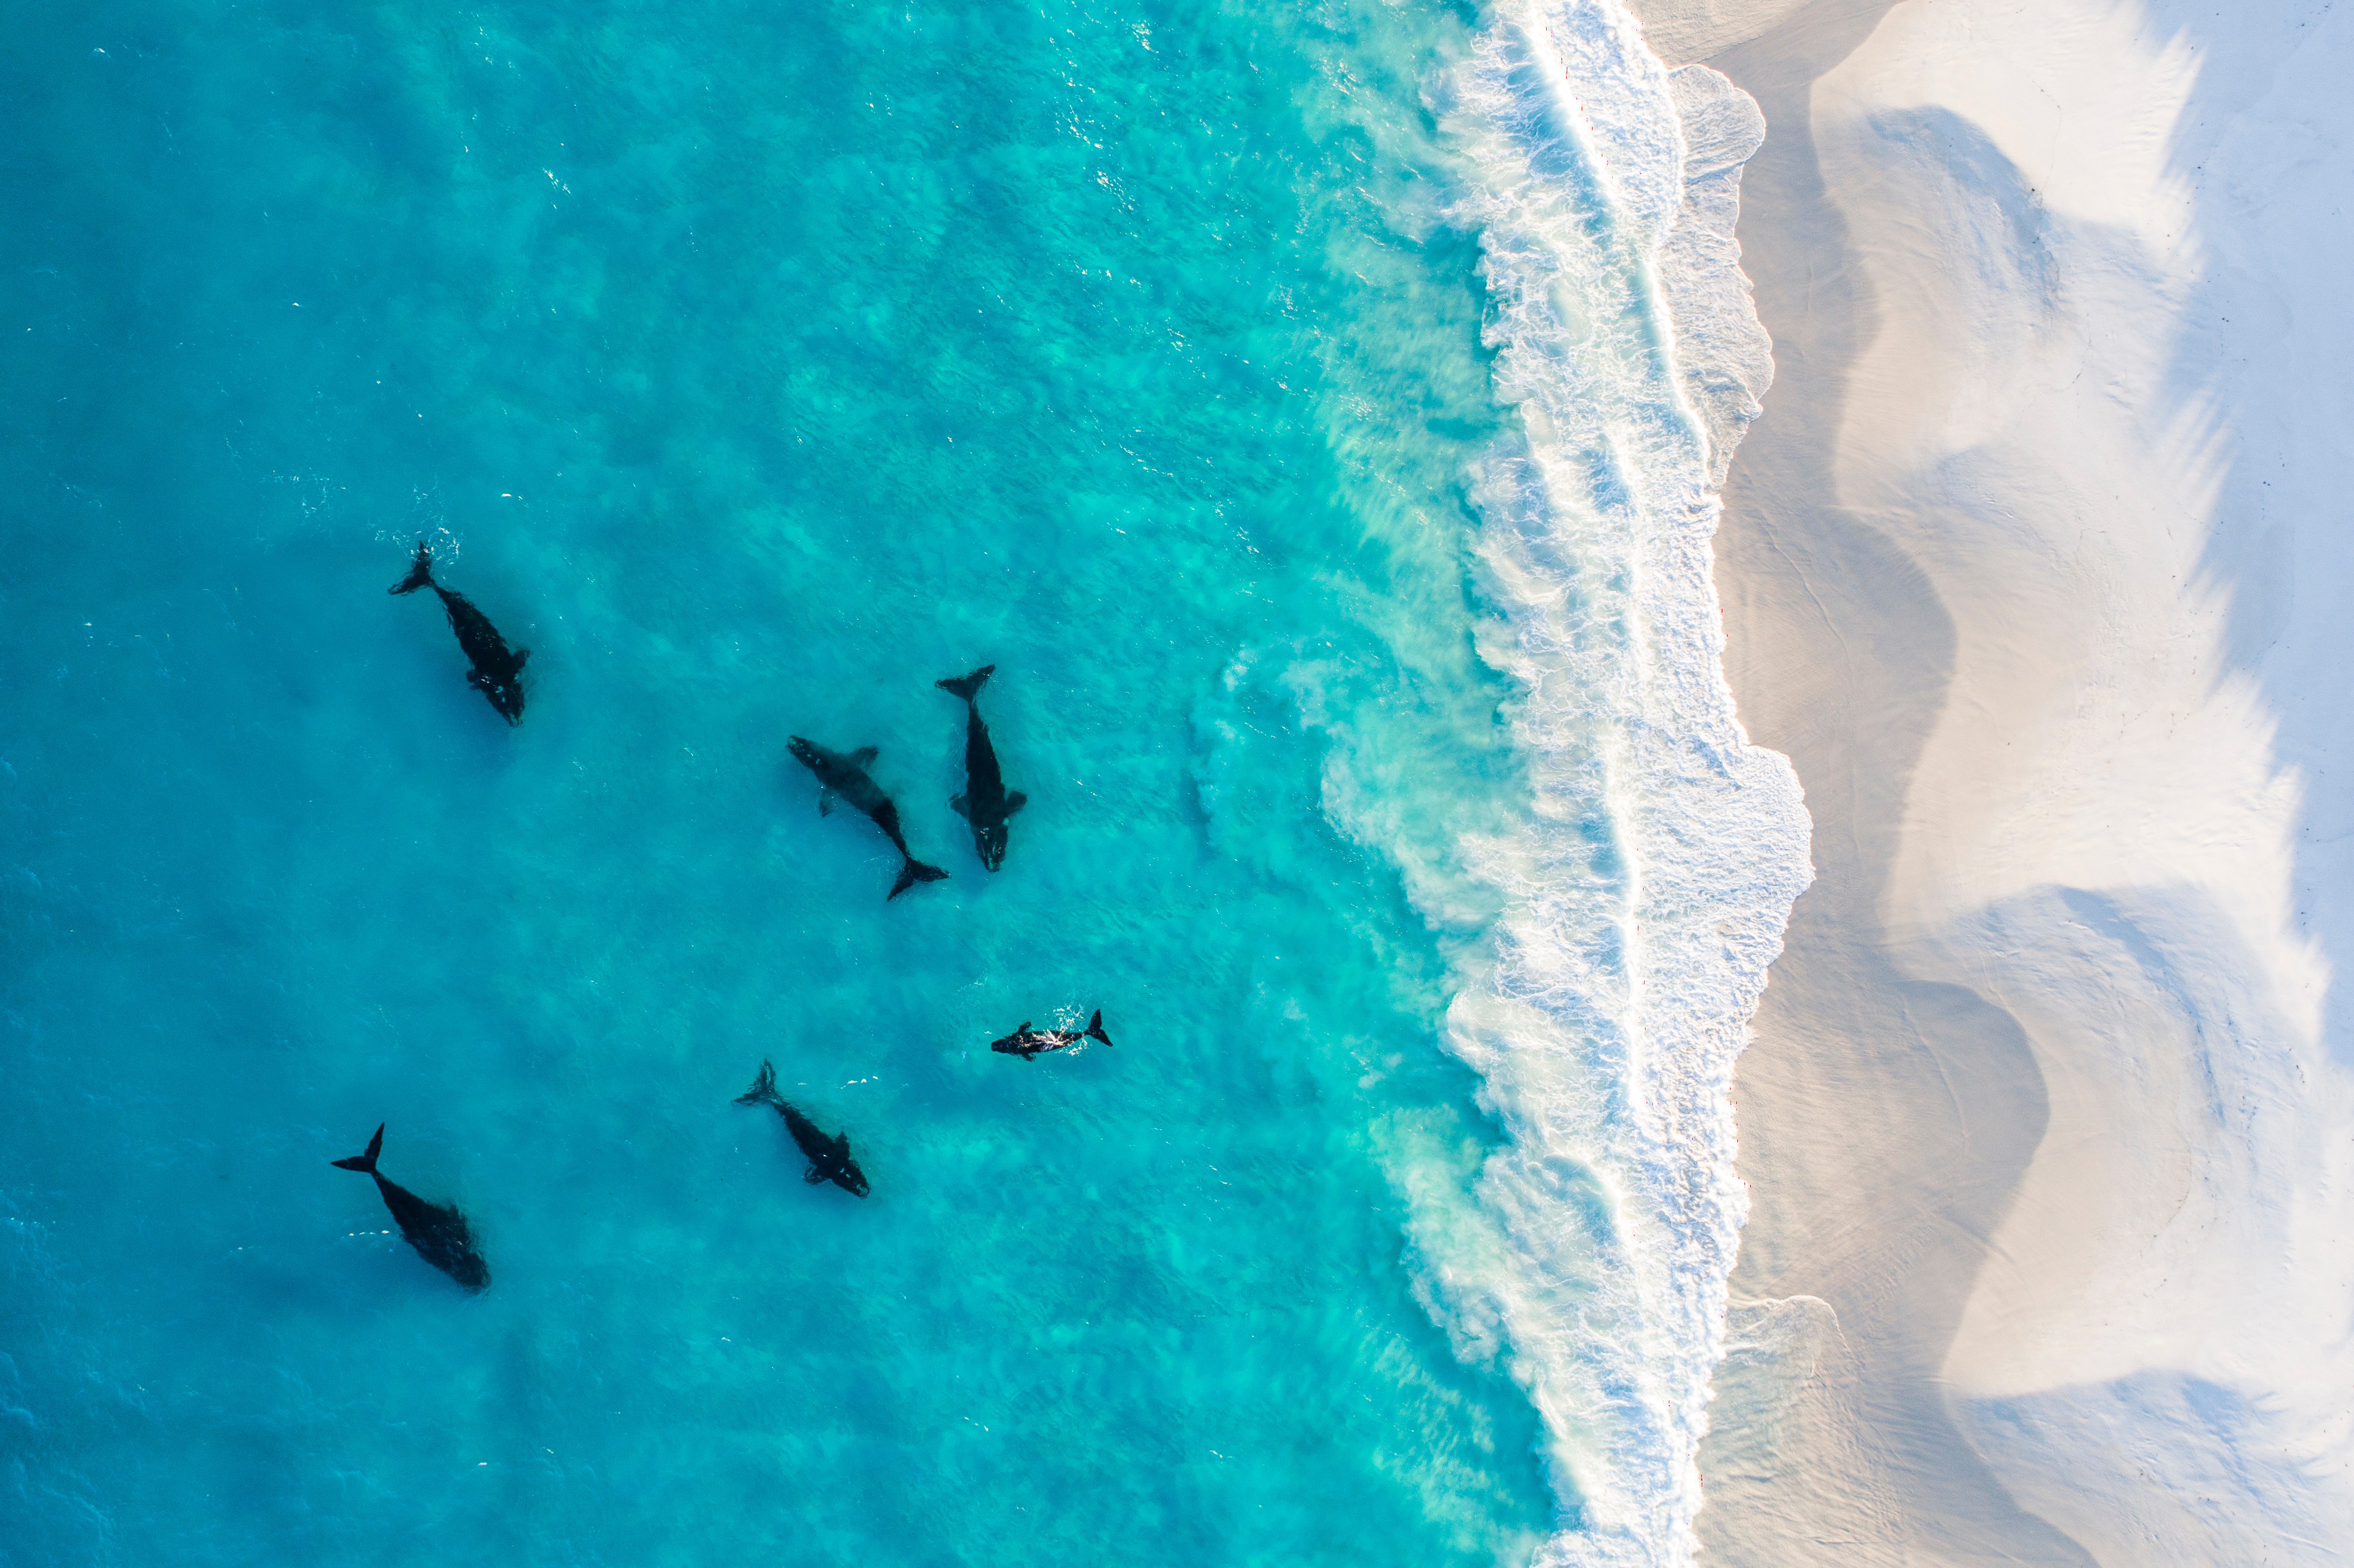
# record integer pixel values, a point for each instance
(825, 800)
(960, 807)
(1015, 802)
(814, 1176)
(523, 657)
(864, 754)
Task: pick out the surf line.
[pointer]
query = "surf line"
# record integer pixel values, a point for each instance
(1659, 853)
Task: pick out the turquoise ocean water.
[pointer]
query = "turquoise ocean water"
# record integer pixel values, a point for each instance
(756, 366)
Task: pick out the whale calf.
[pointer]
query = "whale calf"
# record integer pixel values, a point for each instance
(1027, 1043)
(829, 1158)
(985, 802)
(436, 1231)
(496, 670)
(842, 775)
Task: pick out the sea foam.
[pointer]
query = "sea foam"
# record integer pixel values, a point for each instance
(1661, 851)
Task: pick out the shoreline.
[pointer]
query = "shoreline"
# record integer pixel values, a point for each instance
(2036, 1116)
(1831, 1423)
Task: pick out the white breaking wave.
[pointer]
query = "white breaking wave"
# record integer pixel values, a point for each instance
(1662, 852)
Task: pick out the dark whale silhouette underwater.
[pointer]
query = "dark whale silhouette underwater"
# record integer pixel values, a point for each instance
(829, 1158)
(497, 670)
(1027, 1043)
(437, 1231)
(985, 802)
(842, 775)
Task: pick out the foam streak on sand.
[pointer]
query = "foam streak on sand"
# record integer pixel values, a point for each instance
(1663, 851)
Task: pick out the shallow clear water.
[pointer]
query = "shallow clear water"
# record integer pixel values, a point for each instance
(756, 366)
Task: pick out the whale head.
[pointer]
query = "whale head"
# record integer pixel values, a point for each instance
(506, 693)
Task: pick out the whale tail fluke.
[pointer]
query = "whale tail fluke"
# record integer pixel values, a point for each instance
(914, 872)
(421, 571)
(764, 1087)
(968, 686)
(366, 1162)
(1095, 1029)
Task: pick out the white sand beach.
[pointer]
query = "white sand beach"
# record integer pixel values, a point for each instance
(2033, 566)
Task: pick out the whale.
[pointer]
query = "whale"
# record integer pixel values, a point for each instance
(437, 1231)
(495, 669)
(843, 775)
(1027, 1043)
(985, 802)
(829, 1158)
